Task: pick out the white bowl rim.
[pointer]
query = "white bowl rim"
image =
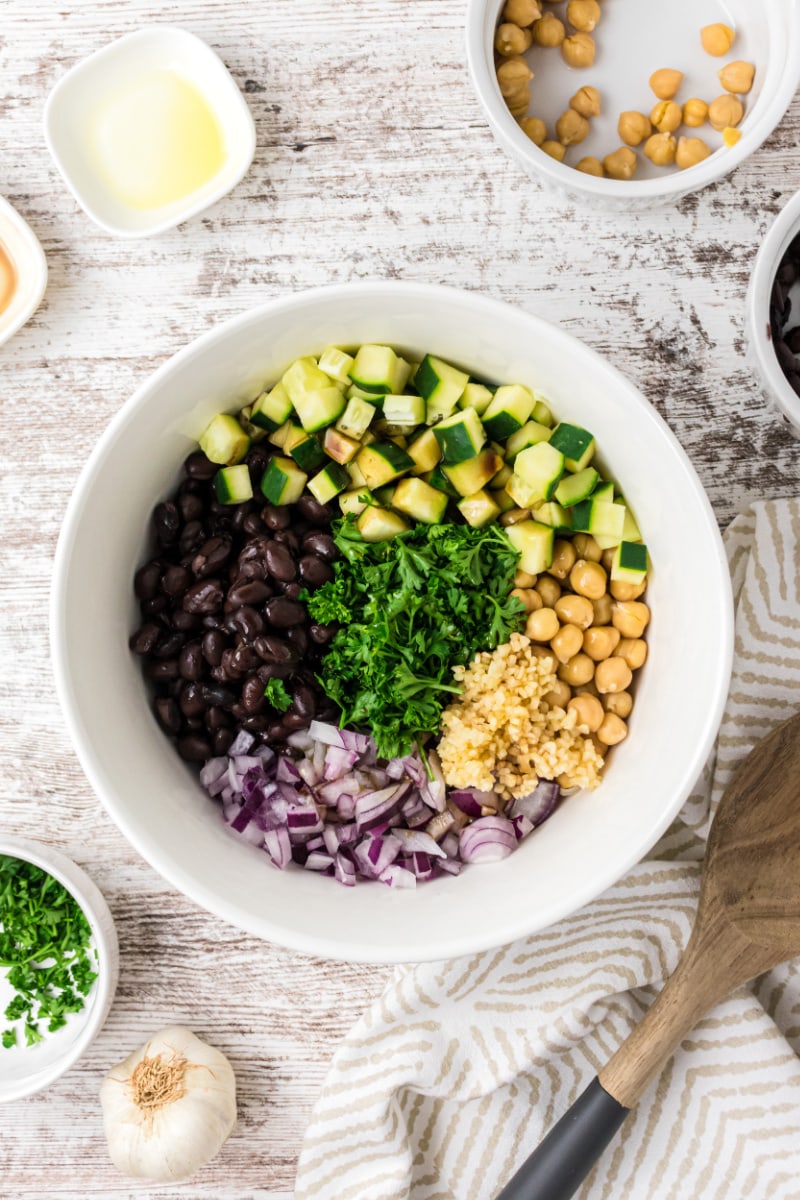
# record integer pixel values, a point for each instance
(36, 285)
(765, 268)
(191, 210)
(95, 908)
(673, 186)
(265, 926)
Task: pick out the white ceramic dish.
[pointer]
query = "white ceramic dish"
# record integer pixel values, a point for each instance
(156, 800)
(761, 350)
(27, 257)
(25, 1070)
(73, 99)
(632, 42)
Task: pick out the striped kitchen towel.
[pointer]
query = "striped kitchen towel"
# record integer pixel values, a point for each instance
(454, 1075)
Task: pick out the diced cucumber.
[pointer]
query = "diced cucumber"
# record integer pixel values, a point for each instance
(306, 452)
(603, 491)
(477, 396)
(254, 432)
(419, 500)
(295, 434)
(502, 477)
(534, 542)
(510, 408)
(502, 499)
(402, 375)
(574, 488)
(530, 434)
(337, 364)
(473, 474)
(478, 509)
(437, 479)
(630, 530)
(225, 441)
(630, 562)
(280, 435)
(382, 462)
(379, 525)
(357, 479)
(357, 393)
(391, 429)
(272, 409)
(541, 467)
(460, 436)
(425, 451)
(232, 485)
(541, 412)
(369, 437)
(398, 439)
(551, 513)
(328, 482)
(338, 446)
(385, 495)
(521, 493)
(356, 418)
(441, 384)
(303, 376)
(375, 369)
(283, 481)
(351, 502)
(575, 443)
(320, 407)
(404, 410)
(601, 518)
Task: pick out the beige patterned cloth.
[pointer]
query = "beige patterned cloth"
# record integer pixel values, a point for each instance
(451, 1079)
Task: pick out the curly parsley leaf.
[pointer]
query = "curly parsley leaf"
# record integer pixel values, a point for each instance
(277, 695)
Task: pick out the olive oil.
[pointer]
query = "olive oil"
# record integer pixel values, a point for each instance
(156, 140)
(8, 278)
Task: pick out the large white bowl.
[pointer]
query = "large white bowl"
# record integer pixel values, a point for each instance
(156, 800)
(632, 41)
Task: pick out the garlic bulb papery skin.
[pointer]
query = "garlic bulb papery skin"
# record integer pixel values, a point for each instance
(169, 1107)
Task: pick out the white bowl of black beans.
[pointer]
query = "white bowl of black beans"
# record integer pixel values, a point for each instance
(148, 455)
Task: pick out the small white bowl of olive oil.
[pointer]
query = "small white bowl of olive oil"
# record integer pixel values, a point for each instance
(149, 130)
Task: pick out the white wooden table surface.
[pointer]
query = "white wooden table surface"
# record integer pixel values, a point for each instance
(373, 160)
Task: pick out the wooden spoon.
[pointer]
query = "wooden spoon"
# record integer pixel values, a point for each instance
(748, 921)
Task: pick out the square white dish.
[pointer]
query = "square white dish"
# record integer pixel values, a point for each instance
(27, 258)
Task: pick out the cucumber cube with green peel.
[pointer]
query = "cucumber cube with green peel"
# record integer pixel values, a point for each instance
(478, 509)
(383, 462)
(574, 488)
(339, 447)
(404, 410)
(278, 438)
(303, 376)
(552, 513)
(272, 409)
(232, 485)
(531, 433)
(630, 563)
(575, 443)
(477, 396)
(419, 500)
(437, 479)
(319, 407)
(283, 482)
(380, 525)
(510, 408)
(630, 530)
(441, 385)
(602, 518)
(224, 441)
(502, 499)
(306, 452)
(336, 363)
(542, 413)
(425, 451)
(460, 436)
(356, 418)
(541, 467)
(521, 493)
(534, 542)
(473, 474)
(375, 369)
(328, 482)
(354, 501)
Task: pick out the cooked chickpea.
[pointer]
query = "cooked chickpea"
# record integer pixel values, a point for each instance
(588, 579)
(563, 559)
(586, 101)
(510, 39)
(690, 152)
(633, 127)
(622, 590)
(527, 596)
(620, 703)
(660, 149)
(542, 625)
(717, 39)
(549, 589)
(726, 110)
(737, 77)
(589, 711)
(591, 166)
(621, 164)
(612, 675)
(695, 113)
(567, 642)
(666, 116)
(522, 12)
(524, 579)
(634, 651)
(583, 14)
(630, 617)
(585, 689)
(665, 83)
(731, 136)
(602, 608)
(540, 651)
(555, 150)
(600, 642)
(571, 127)
(613, 730)
(575, 610)
(518, 105)
(535, 129)
(578, 50)
(513, 74)
(559, 695)
(607, 559)
(549, 31)
(577, 671)
(587, 547)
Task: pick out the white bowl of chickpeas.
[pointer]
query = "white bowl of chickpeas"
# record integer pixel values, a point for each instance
(602, 99)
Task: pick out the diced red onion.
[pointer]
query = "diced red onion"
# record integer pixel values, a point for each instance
(414, 839)
(344, 870)
(434, 791)
(330, 836)
(467, 799)
(398, 877)
(522, 826)
(488, 839)
(539, 804)
(450, 845)
(451, 865)
(308, 772)
(300, 740)
(422, 865)
(374, 854)
(317, 861)
(303, 824)
(241, 743)
(287, 771)
(278, 846)
(213, 769)
(374, 807)
(338, 762)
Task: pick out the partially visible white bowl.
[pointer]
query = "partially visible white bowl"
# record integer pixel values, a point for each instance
(29, 263)
(28, 1069)
(72, 102)
(758, 332)
(633, 41)
(157, 801)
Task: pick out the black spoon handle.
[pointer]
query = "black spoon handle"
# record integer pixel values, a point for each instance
(566, 1156)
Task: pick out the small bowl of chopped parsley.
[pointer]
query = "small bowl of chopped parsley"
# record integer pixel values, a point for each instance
(58, 965)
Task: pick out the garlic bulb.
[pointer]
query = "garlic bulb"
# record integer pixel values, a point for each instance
(169, 1107)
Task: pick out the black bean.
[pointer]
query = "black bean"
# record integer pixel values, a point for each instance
(274, 516)
(221, 740)
(211, 556)
(314, 571)
(192, 537)
(313, 511)
(191, 506)
(167, 521)
(280, 563)
(253, 695)
(299, 639)
(283, 613)
(154, 606)
(176, 580)
(293, 721)
(168, 715)
(186, 621)
(275, 671)
(254, 568)
(169, 645)
(322, 634)
(289, 539)
(274, 649)
(253, 524)
(191, 700)
(194, 748)
(792, 339)
(785, 357)
(219, 696)
(247, 621)
(216, 717)
(213, 645)
(292, 590)
(194, 724)
(228, 668)
(321, 544)
(258, 459)
(205, 596)
(276, 731)
(253, 591)
(160, 670)
(245, 658)
(197, 466)
(255, 724)
(304, 701)
(147, 581)
(146, 638)
(190, 661)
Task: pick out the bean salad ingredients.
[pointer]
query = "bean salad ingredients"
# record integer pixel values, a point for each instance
(784, 329)
(45, 951)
